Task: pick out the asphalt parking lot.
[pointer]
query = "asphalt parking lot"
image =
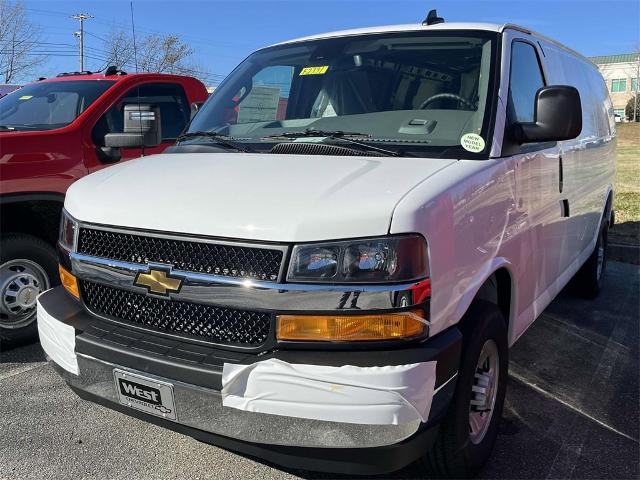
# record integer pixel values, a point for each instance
(572, 409)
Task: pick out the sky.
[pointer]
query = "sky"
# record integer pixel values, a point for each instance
(223, 33)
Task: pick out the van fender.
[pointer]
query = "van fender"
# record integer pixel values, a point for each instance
(476, 283)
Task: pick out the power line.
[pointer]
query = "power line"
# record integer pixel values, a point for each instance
(104, 57)
(96, 36)
(185, 70)
(211, 44)
(56, 49)
(39, 11)
(124, 26)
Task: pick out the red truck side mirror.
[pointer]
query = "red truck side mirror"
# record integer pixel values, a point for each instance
(142, 128)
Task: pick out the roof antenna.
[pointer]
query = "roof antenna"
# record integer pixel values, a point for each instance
(432, 18)
(133, 29)
(135, 59)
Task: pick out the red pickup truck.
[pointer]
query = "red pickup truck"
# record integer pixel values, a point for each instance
(52, 133)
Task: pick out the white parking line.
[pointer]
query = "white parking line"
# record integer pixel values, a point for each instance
(574, 408)
(18, 370)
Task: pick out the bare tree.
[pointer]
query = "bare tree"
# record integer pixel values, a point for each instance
(164, 54)
(19, 40)
(156, 53)
(119, 50)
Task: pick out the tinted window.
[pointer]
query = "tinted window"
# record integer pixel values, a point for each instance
(169, 97)
(49, 105)
(526, 80)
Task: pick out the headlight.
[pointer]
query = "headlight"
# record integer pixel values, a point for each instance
(68, 227)
(375, 260)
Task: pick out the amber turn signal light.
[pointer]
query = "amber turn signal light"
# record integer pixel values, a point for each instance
(69, 282)
(352, 328)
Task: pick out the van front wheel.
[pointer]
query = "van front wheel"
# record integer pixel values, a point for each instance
(469, 431)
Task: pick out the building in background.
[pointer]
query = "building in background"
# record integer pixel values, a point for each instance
(621, 74)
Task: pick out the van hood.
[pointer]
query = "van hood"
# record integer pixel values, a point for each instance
(267, 197)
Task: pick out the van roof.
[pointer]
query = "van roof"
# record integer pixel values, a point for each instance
(418, 27)
(411, 27)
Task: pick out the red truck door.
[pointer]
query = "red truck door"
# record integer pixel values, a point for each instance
(175, 111)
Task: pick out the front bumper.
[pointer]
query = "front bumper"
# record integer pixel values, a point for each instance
(92, 349)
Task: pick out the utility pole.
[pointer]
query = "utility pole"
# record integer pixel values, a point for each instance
(81, 17)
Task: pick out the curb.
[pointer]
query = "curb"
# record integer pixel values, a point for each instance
(624, 253)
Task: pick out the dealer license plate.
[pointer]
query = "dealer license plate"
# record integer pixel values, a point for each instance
(145, 394)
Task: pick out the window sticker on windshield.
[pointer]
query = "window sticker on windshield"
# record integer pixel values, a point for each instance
(25, 97)
(319, 70)
(472, 142)
(260, 105)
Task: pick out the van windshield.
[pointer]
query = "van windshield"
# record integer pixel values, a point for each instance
(416, 93)
(49, 105)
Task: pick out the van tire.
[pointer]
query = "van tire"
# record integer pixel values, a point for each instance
(589, 280)
(37, 261)
(454, 454)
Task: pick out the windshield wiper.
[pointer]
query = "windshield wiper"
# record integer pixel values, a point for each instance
(336, 135)
(6, 127)
(219, 138)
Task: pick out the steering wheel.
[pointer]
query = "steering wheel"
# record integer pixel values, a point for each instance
(452, 96)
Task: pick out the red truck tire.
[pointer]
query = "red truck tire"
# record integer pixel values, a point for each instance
(28, 266)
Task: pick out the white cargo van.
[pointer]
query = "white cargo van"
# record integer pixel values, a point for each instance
(328, 269)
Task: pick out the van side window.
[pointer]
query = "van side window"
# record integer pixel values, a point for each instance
(526, 79)
(170, 97)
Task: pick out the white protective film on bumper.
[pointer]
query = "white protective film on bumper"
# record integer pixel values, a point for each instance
(388, 395)
(58, 340)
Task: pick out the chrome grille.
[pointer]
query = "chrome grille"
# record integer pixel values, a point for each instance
(207, 322)
(194, 256)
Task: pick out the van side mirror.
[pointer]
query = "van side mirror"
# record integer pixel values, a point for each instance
(195, 108)
(557, 116)
(141, 128)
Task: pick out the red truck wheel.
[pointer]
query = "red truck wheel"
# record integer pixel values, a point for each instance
(28, 266)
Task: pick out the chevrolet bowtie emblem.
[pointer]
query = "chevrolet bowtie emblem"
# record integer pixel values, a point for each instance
(158, 281)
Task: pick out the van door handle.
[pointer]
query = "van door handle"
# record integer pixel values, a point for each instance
(560, 174)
